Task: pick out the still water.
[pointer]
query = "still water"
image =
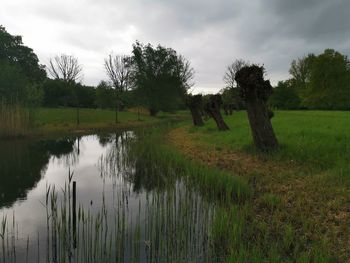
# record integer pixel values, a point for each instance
(122, 213)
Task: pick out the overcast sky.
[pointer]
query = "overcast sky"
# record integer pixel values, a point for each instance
(210, 33)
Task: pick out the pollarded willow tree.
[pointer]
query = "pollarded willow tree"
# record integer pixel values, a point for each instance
(212, 107)
(255, 91)
(195, 104)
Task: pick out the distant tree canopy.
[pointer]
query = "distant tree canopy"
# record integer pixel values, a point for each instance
(231, 70)
(67, 71)
(20, 74)
(118, 71)
(105, 96)
(58, 93)
(323, 81)
(285, 96)
(66, 68)
(15, 53)
(13, 83)
(300, 71)
(160, 77)
(230, 96)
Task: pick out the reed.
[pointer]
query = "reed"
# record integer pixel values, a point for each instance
(15, 120)
(153, 157)
(168, 226)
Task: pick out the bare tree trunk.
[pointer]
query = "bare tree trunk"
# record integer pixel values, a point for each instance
(213, 108)
(196, 117)
(261, 127)
(194, 103)
(222, 126)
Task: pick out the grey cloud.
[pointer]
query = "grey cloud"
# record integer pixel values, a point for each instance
(211, 34)
(315, 19)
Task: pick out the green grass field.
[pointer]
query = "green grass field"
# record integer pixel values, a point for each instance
(61, 116)
(301, 190)
(319, 139)
(64, 120)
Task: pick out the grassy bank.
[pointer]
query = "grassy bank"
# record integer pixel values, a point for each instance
(237, 230)
(301, 191)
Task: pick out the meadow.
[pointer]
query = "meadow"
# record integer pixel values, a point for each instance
(318, 139)
(301, 190)
(20, 122)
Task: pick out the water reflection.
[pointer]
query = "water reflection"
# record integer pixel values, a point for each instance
(22, 163)
(127, 210)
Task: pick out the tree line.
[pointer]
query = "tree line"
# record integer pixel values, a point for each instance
(157, 78)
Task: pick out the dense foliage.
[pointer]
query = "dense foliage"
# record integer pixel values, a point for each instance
(58, 93)
(285, 96)
(105, 96)
(328, 86)
(20, 74)
(160, 77)
(318, 82)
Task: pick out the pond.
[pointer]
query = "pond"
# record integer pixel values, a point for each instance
(120, 211)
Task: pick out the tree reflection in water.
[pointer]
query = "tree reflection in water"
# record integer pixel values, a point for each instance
(23, 162)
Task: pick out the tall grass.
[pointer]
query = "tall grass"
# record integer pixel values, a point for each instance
(15, 120)
(153, 157)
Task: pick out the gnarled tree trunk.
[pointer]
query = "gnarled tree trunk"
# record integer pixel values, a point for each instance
(194, 103)
(259, 119)
(256, 91)
(213, 109)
